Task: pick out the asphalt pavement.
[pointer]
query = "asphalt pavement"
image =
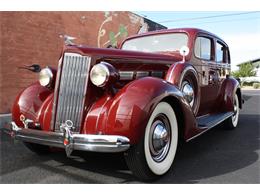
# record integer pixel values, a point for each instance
(218, 156)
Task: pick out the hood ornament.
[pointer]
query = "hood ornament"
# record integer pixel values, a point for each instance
(68, 40)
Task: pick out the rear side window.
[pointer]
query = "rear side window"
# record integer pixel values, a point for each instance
(221, 53)
(203, 48)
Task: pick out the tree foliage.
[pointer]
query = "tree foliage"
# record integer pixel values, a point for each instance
(245, 70)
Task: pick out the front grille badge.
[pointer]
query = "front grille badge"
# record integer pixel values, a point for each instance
(67, 136)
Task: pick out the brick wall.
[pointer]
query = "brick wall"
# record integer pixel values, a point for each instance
(34, 37)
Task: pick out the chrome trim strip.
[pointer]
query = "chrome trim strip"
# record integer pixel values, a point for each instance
(126, 75)
(158, 74)
(84, 142)
(56, 93)
(140, 74)
(130, 75)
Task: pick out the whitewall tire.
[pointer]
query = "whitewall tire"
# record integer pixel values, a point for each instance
(235, 117)
(232, 122)
(154, 155)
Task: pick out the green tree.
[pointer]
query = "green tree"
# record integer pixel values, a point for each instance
(245, 70)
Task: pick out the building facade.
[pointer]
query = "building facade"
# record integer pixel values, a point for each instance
(36, 38)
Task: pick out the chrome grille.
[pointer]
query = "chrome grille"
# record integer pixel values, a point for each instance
(72, 90)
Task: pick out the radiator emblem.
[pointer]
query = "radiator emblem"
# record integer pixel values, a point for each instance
(67, 136)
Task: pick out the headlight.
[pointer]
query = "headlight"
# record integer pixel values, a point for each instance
(99, 74)
(45, 77)
(103, 74)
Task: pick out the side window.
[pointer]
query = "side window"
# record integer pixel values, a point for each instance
(203, 48)
(221, 53)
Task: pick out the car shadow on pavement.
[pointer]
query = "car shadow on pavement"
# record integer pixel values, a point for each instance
(79, 168)
(91, 168)
(215, 153)
(104, 165)
(218, 152)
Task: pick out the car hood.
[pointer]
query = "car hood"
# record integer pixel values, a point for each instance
(120, 54)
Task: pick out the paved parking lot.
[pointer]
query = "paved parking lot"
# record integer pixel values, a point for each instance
(218, 156)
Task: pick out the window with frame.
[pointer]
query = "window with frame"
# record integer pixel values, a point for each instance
(221, 53)
(157, 43)
(203, 48)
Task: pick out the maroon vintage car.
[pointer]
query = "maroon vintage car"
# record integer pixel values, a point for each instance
(142, 99)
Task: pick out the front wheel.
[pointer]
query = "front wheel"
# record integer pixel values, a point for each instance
(154, 155)
(231, 122)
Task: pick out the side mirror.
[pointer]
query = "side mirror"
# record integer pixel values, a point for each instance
(184, 51)
(33, 67)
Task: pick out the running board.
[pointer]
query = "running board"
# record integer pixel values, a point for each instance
(210, 121)
(207, 122)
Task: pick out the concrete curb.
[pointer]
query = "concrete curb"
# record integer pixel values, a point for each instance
(4, 120)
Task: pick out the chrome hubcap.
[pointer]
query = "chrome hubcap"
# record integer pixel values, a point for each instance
(188, 92)
(160, 138)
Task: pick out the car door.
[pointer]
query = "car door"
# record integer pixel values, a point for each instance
(222, 61)
(205, 53)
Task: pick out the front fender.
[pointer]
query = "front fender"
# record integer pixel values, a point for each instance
(29, 103)
(130, 109)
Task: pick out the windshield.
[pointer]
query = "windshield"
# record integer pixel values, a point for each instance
(157, 43)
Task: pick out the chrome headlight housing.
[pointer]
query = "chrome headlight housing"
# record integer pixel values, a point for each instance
(45, 77)
(99, 74)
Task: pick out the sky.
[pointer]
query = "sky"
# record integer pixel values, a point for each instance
(240, 30)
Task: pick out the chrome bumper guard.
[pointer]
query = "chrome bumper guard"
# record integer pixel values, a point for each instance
(65, 139)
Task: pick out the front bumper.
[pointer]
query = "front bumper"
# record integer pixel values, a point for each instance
(69, 141)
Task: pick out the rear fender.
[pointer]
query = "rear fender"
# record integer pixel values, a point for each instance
(229, 88)
(131, 108)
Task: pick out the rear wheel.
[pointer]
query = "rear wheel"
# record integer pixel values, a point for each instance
(154, 155)
(37, 148)
(231, 122)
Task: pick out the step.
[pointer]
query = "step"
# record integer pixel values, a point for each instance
(211, 120)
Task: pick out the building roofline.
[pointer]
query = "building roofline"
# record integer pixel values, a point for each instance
(145, 18)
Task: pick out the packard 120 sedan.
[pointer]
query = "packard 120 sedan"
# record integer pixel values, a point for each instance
(142, 99)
